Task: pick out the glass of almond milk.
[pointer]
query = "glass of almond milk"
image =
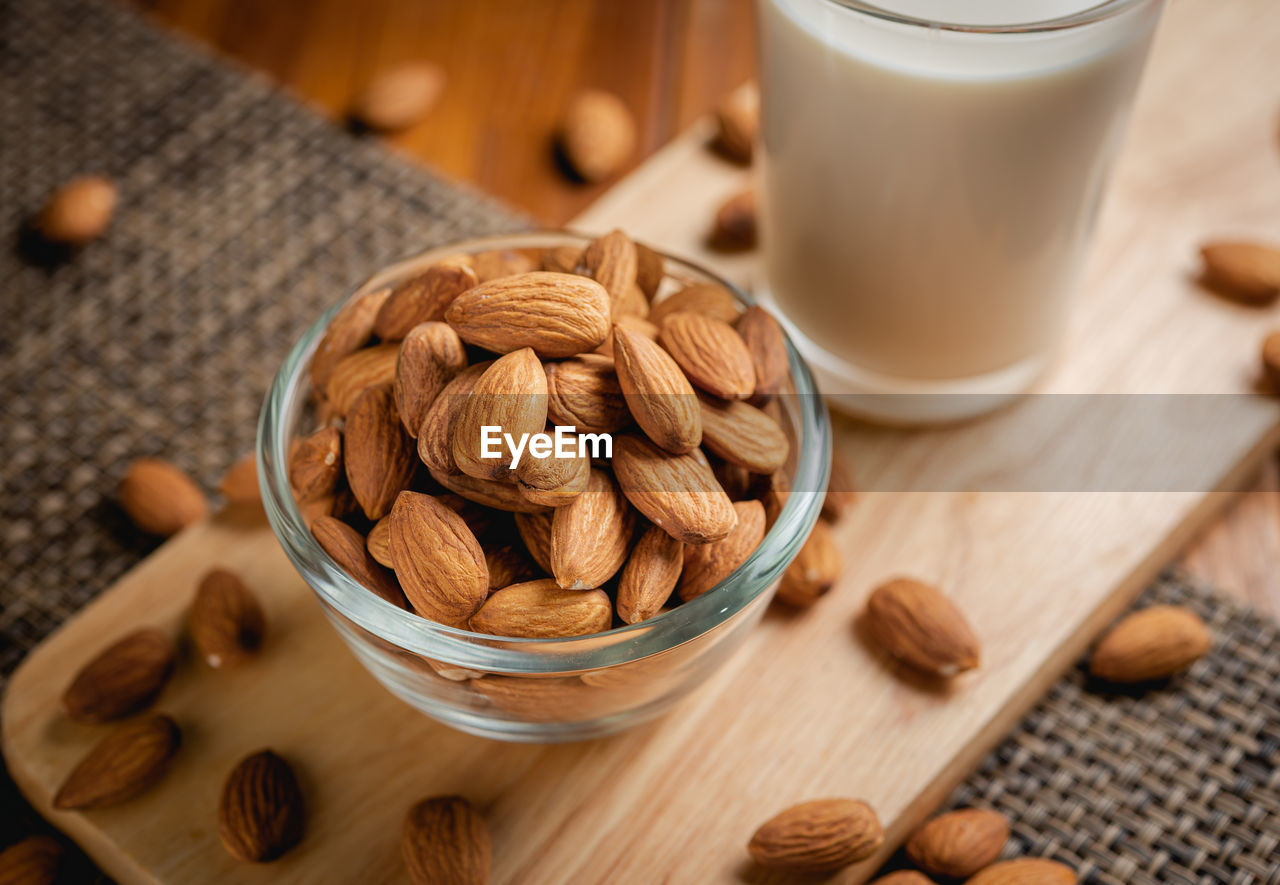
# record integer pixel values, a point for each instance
(932, 170)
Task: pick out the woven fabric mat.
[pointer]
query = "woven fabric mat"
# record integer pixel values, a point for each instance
(243, 215)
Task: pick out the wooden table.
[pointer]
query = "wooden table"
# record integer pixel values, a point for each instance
(511, 65)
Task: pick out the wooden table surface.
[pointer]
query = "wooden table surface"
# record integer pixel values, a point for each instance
(511, 65)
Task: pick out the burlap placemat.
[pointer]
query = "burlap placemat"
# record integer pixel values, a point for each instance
(242, 215)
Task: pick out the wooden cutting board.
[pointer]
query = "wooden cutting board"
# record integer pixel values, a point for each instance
(804, 709)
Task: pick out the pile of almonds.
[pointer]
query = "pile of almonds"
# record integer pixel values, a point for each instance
(599, 338)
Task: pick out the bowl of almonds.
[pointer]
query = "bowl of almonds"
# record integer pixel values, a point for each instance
(543, 484)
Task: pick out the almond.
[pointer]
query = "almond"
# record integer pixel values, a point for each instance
(1247, 271)
(379, 454)
(706, 565)
(921, 628)
(959, 843)
(767, 344)
(345, 547)
(260, 813)
(398, 97)
(488, 492)
(657, 393)
(445, 841)
(124, 764)
(1271, 360)
(597, 135)
(378, 543)
(631, 304)
(495, 264)
(591, 534)
(422, 298)
(611, 261)
(819, 836)
(639, 325)
(738, 123)
(814, 570)
(240, 483)
(159, 498)
(348, 331)
(511, 396)
(33, 861)
(742, 434)
(435, 436)
(709, 299)
(437, 559)
(1025, 871)
(710, 353)
(903, 877)
(650, 575)
(543, 610)
(122, 679)
(583, 392)
(431, 355)
(508, 564)
(841, 491)
(1153, 643)
(535, 531)
(677, 492)
(554, 313)
(226, 620)
(735, 226)
(80, 210)
(359, 371)
(561, 259)
(315, 464)
(552, 481)
(650, 270)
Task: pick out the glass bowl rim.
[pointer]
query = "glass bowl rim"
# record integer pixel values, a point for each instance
(465, 648)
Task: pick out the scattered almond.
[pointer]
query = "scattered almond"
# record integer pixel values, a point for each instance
(735, 227)
(959, 843)
(260, 813)
(738, 123)
(80, 211)
(710, 353)
(1025, 871)
(33, 861)
(814, 570)
(226, 620)
(399, 97)
(445, 841)
(591, 534)
(124, 764)
(1153, 643)
(1247, 271)
(767, 344)
(437, 559)
(543, 610)
(345, 547)
(159, 498)
(650, 575)
(378, 454)
(240, 482)
(597, 135)
(819, 836)
(122, 679)
(315, 464)
(657, 392)
(921, 628)
(556, 314)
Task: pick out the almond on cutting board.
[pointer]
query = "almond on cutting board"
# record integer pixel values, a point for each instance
(261, 813)
(160, 498)
(959, 843)
(1247, 271)
(80, 211)
(735, 227)
(1025, 871)
(123, 678)
(226, 620)
(918, 626)
(597, 134)
(819, 836)
(445, 841)
(1153, 643)
(124, 764)
(543, 609)
(240, 483)
(738, 123)
(398, 97)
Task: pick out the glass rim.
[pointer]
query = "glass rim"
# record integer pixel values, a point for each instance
(1091, 15)
(464, 648)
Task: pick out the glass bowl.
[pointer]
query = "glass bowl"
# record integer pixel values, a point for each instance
(541, 689)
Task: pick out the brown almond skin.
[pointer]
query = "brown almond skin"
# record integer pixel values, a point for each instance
(707, 299)
(512, 396)
(1154, 643)
(638, 325)
(33, 861)
(556, 314)
(431, 355)
(819, 836)
(438, 560)
(124, 764)
(160, 498)
(315, 464)
(710, 354)
(535, 532)
(920, 627)
(378, 454)
(80, 211)
(422, 298)
(435, 436)
(509, 564)
(357, 372)
(348, 331)
(494, 264)
(583, 392)
(123, 678)
(552, 481)
(1025, 871)
(767, 344)
(561, 259)
(445, 841)
(903, 877)
(677, 492)
(650, 270)
(491, 493)
(959, 843)
(814, 571)
(657, 392)
(591, 534)
(1247, 271)
(240, 483)
(1270, 352)
(226, 621)
(735, 227)
(611, 261)
(741, 434)
(706, 565)
(378, 542)
(347, 548)
(261, 813)
(738, 123)
(597, 134)
(650, 575)
(399, 97)
(543, 610)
